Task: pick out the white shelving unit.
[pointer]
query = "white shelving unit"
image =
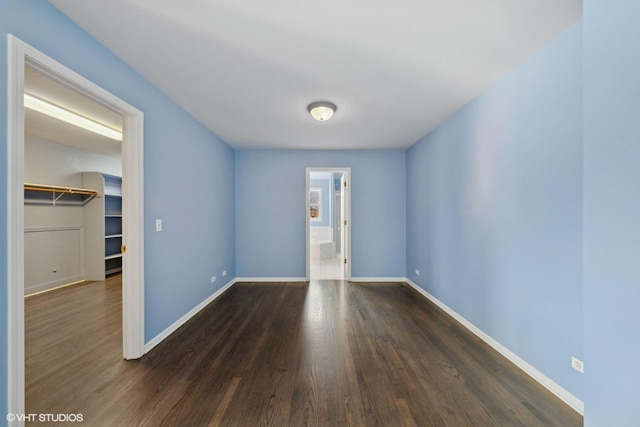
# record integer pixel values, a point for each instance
(103, 226)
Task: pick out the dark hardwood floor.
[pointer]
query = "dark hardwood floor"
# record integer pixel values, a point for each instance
(328, 353)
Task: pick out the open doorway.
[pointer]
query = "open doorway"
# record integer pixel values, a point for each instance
(72, 237)
(73, 186)
(328, 223)
(23, 57)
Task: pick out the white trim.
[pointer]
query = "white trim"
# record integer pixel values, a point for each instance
(571, 400)
(19, 54)
(45, 229)
(133, 232)
(347, 174)
(307, 228)
(184, 319)
(54, 284)
(303, 279)
(378, 279)
(66, 285)
(15, 226)
(271, 279)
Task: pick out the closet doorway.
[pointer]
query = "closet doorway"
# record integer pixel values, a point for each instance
(73, 187)
(24, 63)
(328, 223)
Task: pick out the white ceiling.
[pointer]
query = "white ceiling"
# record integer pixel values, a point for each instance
(248, 69)
(43, 126)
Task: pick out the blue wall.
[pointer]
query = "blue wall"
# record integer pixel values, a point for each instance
(611, 212)
(495, 210)
(188, 173)
(270, 189)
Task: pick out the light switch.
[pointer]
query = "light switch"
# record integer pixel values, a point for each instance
(158, 225)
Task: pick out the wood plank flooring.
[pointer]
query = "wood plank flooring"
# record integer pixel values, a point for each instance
(325, 353)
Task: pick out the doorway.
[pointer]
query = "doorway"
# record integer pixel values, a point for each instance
(71, 144)
(328, 223)
(21, 56)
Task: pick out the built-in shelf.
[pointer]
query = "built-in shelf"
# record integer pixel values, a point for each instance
(37, 194)
(104, 219)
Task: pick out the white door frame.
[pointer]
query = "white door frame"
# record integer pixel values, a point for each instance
(19, 55)
(347, 206)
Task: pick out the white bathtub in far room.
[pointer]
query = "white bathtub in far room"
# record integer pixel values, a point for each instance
(322, 244)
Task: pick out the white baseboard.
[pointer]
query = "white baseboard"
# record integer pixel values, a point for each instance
(303, 279)
(571, 400)
(56, 284)
(184, 319)
(271, 279)
(378, 279)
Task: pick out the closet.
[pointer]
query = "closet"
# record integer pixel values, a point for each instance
(72, 215)
(72, 195)
(79, 236)
(102, 218)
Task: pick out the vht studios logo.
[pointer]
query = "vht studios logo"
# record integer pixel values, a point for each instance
(51, 418)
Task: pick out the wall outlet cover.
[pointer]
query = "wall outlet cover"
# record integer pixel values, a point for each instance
(577, 364)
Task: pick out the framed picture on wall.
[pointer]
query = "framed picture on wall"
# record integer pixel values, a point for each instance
(315, 204)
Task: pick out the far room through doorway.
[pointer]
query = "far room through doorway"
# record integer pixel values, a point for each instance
(327, 223)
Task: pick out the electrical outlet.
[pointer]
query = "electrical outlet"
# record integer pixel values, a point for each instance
(213, 279)
(577, 364)
(224, 273)
(417, 272)
(158, 225)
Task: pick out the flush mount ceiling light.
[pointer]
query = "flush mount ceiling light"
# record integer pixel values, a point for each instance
(51, 110)
(321, 111)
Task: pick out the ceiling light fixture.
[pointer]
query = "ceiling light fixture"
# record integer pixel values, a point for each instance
(51, 110)
(321, 111)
